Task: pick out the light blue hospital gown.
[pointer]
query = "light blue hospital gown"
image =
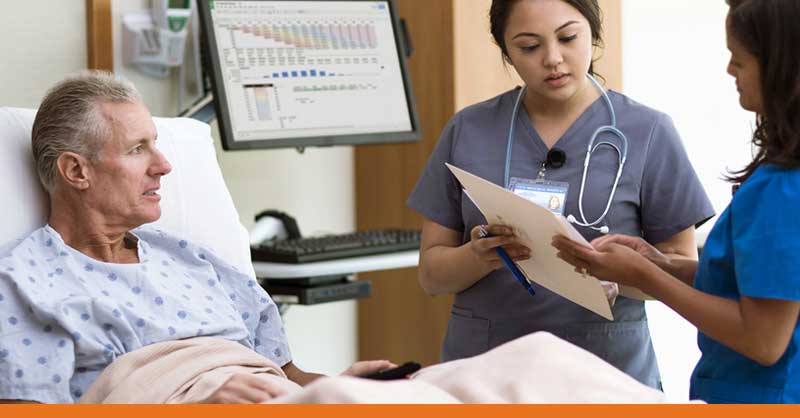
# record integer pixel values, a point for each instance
(64, 316)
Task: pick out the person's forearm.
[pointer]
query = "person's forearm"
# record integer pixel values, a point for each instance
(679, 256)
(719, 318)
(680, 267)
(448, 270)
(304, 378)
(298, 376)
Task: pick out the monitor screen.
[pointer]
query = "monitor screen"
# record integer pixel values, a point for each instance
(298, 73)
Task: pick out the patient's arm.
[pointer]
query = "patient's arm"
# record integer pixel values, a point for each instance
(359, 368)
(298, 376)
(363, 368)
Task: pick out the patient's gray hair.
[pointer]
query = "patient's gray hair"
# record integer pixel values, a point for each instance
(70, 119)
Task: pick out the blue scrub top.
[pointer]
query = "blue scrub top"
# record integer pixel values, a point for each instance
(752, 251)
(658, 196)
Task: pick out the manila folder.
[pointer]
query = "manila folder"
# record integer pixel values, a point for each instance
(536, 227)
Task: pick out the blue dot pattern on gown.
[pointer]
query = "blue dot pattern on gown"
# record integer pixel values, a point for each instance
(98, 311)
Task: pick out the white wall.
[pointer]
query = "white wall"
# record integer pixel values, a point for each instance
(675, 60)
(40, 41)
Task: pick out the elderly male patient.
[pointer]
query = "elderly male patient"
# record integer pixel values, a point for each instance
(94, 284)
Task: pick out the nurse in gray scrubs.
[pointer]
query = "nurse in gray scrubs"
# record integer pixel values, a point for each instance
(550, 43)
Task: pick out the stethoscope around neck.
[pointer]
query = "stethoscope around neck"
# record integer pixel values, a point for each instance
(556, 155)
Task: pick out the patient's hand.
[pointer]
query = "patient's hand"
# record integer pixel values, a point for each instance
(245, 388)
(362, 368)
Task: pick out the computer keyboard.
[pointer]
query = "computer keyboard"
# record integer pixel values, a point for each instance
(332, 247)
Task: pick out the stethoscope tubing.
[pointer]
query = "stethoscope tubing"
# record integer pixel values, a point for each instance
(590, 149)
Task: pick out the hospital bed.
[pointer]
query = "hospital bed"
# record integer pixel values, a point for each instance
(196, 203)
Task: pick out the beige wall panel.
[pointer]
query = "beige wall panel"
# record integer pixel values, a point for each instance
(400, 322)
(480, 71)
(610, 63)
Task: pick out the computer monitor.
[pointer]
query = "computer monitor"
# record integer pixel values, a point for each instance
(299, 73)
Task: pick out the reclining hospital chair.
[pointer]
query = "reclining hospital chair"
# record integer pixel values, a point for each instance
(195, 201)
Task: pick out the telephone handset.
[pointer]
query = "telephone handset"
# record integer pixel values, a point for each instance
(271, 225)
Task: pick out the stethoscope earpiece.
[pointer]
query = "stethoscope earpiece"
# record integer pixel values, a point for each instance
(557, 157)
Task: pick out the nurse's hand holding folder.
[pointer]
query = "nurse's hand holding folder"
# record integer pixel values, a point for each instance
(509, 263)
(621, 257)
(468, 263)
(608, 260)
(534, 225)
(486, 240)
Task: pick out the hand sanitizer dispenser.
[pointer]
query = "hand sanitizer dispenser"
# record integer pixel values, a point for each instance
(154, 41)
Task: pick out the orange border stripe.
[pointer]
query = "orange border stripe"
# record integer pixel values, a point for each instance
(399, 411)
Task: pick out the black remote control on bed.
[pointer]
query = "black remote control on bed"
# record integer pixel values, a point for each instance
(399, 372)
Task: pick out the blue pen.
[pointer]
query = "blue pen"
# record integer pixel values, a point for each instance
(509, 263)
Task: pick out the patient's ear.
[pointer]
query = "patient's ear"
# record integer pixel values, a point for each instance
(74, 170)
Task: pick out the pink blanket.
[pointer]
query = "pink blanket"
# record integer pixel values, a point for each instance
(183, 371)
(538, 368)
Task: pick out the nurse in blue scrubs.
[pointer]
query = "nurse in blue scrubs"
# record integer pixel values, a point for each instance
(745, 297)
(507, 140)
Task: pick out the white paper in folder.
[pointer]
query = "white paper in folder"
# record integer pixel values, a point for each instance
(536, 227)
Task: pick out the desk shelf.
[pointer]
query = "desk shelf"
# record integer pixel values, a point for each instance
(274, 273)
(344, 266)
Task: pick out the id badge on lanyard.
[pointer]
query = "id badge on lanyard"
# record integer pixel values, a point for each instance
(551, 195)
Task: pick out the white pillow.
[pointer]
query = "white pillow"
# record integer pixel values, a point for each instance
(195, 202)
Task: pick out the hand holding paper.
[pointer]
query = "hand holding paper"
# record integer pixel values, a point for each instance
(509, 263)
(536, 227)
(486, 239)
(637, 244)
(610, 259)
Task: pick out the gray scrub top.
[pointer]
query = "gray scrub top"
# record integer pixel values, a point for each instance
(658, 196)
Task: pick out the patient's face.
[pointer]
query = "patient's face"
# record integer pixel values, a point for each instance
(125, 182)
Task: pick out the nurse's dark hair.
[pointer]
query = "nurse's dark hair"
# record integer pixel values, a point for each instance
(501, 10)
(769, 30)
